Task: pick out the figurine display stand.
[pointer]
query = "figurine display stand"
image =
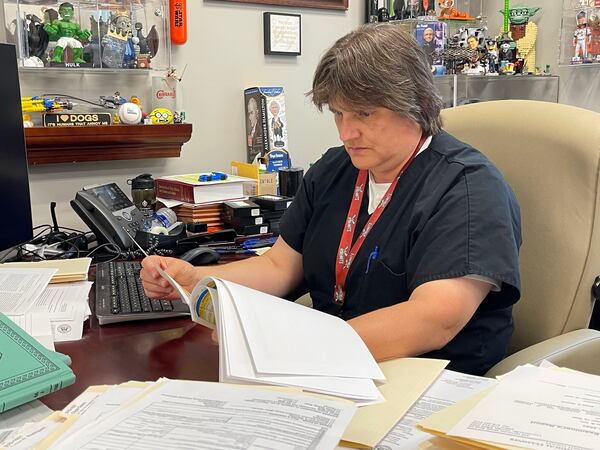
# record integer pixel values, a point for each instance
(580, 33)
(90, 34)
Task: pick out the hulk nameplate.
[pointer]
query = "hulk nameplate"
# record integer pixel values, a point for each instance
(76, 120)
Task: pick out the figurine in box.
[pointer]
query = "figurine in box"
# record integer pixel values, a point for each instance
(430, 35)
(276, 124)
(581, 38)
(255, 136)
(68, 33)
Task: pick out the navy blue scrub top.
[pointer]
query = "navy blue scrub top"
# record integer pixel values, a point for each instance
(452, 214)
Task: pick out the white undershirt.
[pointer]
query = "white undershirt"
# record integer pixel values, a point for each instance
(378, 190)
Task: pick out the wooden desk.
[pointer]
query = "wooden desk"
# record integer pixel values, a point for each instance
(142, 350)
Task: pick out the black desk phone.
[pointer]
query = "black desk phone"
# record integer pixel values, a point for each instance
(109, 213)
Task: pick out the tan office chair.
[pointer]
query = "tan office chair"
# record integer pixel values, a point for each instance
(550, 155)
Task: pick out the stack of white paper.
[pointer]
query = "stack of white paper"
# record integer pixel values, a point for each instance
(265, 339)
(49, 313)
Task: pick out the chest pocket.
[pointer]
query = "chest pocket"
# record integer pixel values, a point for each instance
(382, 287)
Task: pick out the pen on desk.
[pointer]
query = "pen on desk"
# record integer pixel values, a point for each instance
(239, 251)
(255, 243)
(372, 256)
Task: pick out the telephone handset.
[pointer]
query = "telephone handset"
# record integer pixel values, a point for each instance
(109, 213)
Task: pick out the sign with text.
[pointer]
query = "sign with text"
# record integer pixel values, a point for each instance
(76, 120)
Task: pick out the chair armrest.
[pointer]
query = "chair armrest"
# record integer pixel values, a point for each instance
(578, 350)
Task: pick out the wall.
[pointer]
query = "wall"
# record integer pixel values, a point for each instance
(224, 55)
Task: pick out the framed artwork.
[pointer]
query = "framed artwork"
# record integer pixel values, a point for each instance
(323, 4)
(282, 34)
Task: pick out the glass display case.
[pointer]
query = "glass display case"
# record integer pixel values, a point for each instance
(100, 34)
(456, 90)
(453, 33)
(580, 32)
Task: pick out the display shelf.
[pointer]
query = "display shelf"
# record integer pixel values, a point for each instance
(456, 90)
(580, 33)
(50, 145)
(82, 34)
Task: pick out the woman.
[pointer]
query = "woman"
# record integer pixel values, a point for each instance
(409, 234)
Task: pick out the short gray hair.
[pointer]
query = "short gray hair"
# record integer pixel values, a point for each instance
(379, 65)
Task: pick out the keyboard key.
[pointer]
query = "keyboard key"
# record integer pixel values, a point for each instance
(156, 305)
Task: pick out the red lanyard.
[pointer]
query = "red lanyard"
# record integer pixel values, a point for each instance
(346, 252)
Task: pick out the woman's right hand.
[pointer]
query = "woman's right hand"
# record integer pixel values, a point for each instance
(156, 286)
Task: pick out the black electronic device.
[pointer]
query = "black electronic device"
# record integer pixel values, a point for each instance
(201, 256)
(120, 296)
(16, 227)
(109, 213)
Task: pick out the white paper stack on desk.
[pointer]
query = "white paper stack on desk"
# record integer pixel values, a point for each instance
(52, 312)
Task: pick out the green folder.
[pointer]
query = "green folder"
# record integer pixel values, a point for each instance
(27, 369)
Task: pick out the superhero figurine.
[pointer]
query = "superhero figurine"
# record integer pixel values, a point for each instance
(68, 33)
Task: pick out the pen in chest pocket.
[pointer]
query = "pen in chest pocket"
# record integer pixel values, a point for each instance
(372, 256)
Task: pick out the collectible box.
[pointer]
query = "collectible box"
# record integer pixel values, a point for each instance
(266, 126)
(124, 34)
(431, 36)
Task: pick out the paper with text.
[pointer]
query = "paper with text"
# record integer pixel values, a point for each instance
(448, 389)
(537, 408)
(19, 288)
(186, 414)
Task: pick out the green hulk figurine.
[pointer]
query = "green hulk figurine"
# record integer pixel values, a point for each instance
(68, 33)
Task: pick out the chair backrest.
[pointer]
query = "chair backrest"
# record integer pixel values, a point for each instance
(549, 153)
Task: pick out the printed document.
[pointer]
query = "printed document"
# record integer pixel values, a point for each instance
(192, 414)
(29, 412)
(19, 288)
(537, 408)
(448, 389)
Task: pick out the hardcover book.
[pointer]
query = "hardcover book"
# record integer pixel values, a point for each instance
(186, 188)
(28, 370)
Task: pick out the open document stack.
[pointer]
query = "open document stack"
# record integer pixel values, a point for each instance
(195, 414)
(267, 340)
(530, 407)
(47, 299)
(188, 414)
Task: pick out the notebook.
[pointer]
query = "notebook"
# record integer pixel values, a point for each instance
(68, 269)
(28, 370)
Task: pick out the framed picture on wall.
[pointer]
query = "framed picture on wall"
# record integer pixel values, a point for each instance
(323, 4)
(282, 34)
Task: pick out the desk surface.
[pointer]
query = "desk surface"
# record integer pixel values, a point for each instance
(142, 351)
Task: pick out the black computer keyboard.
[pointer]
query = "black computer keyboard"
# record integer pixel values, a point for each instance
(120, 295)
